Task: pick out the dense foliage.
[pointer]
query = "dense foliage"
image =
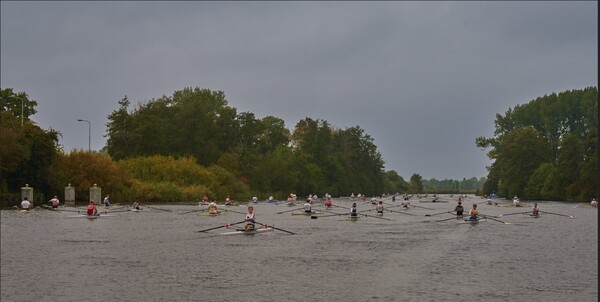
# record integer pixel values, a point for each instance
(26, 150)
(260, 153)
(177, 148)
(546, 149)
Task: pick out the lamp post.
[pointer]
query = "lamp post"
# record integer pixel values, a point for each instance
(22, 105)
(89, 132)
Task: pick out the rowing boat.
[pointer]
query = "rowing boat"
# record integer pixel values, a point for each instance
(22, 211)
(248, 232)
(90, 216)
(352, 218)
(212, 214)
(307, 214)
(475, 221)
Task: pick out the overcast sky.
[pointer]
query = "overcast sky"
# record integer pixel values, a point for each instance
(424, 79)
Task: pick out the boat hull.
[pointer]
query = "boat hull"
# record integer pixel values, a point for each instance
(250, 232)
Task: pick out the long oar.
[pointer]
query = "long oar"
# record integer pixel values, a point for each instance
(270, 226)
(422, 207)
(290, 210)
(334, 214)
(497, 220)
(428, 215)
(192, 211)
(223, 226)
(570, 216)
(376, 217)
(399, 212)
(334, 205)
(149, 207)
(232, 211)
(455, 217)
(513, 214)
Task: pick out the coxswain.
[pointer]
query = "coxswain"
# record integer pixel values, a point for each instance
(353, 210)
(25, 204)
(91, 208)
(474, 213)
(459, 209)
(212, 207)
(535, 210)
(249, 218)
(379, 208)
(328, 203)
(308, 206)
(594, 203)
(136, 204)
(54, 201)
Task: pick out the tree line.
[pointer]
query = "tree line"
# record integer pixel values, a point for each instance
(178, 147)
(546, 149)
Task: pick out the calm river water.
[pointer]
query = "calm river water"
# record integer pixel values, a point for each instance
(155, 255)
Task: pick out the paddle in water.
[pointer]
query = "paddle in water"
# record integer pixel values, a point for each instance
(270, 226)
(570, 216)
(290, 210)
(149, 207)
(223, 226)
(497, 220)
(514, 213)
(428, 215)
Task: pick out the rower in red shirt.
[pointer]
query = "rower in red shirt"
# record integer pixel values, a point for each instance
(91, 208)
(328, 203)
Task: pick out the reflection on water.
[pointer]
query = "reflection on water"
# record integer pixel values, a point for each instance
(159, 256)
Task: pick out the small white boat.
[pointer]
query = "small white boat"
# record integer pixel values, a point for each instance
(248, 232)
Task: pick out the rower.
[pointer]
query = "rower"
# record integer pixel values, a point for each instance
(363, 197)
(405, 203)
(353, 211)
(212, 207)
(54, 201)
(536, 210)
(136, 204)
(254, 199)
(328, 203)
(91, 208)
(249, 218)
(106, 201)
(459, 209)
(474, 213)
(352, 196)
(594, 203)
(489, 201)
(25, 204)
(379, 208)
(228, 201)
(373, 200)
(308, 206)
(204, 199)
(516, 202)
